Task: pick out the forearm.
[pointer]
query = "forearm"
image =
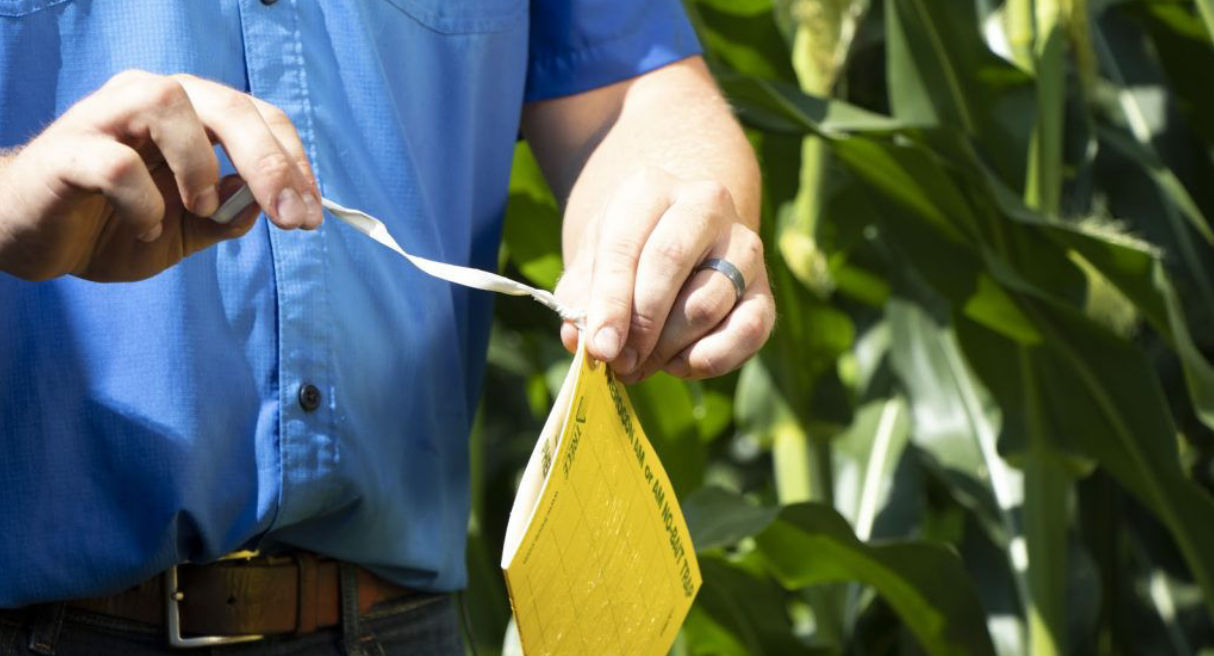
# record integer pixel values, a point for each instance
(7, 238)
(673, 119)
(657, 179)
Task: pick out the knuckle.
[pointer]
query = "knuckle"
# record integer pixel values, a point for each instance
(704, 309)
(130, 77)
(753, 329)
(305, 169)
(274, 167)
(643, 324)
(275, 116)
(751, 243)
(163, 92)
(707, 365)
(614, 306)
(710, 193)
(621, 252)
(119, 166)
(234, 103)
(671, 254)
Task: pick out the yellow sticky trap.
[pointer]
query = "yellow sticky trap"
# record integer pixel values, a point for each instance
(597, 556)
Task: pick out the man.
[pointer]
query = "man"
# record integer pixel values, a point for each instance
(173, 390)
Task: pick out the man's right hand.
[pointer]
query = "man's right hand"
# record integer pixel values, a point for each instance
(118, 187)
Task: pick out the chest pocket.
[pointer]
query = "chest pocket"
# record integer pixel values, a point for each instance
(462, 16)
(17, 8)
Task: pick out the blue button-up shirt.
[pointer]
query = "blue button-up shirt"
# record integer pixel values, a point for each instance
(156, 422)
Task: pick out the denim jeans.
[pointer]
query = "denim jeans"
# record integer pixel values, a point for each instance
(420, 625)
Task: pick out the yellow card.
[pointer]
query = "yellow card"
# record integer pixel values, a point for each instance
(597, 557)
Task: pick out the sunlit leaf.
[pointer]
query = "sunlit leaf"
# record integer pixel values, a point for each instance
(738, 613)
(718, 518)
(866, 456)
(1096, 393)
(666, 410)
(924, 583)
(955, 420)
(781, 107)
(532, 230)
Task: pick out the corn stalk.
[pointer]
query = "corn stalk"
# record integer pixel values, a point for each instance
(824, 30)
(1044, 183)
(1018, 23)
(823, 33)
(1047, 483)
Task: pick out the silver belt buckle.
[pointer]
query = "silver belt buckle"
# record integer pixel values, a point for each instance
(173, 596)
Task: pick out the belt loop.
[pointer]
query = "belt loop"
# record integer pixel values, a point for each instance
(350, 631)
(44, 624)
(305, 618)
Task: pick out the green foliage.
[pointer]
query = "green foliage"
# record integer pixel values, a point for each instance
(984, 421)
(811, 544)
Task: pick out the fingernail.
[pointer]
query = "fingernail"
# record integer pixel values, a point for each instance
(291, 210)
(627, 361)
(315, 214)
(678, 368)
(206, 202)
(607, 342)
(153, 234)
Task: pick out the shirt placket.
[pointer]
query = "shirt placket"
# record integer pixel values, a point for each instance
(274, 55)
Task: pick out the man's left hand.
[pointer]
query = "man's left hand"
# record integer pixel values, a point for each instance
(650, 307)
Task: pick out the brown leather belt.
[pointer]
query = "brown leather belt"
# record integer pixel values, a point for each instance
(297, 593)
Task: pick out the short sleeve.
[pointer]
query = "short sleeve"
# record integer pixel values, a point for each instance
(578, 45)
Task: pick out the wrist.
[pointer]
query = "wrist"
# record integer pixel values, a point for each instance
(7, 238)
(14, 232)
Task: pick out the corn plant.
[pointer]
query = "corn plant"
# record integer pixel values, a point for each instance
(984, 424)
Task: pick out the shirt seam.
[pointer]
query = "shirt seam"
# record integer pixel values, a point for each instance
(575, 53)
(546, 69)
(309, 129)
(284, 386)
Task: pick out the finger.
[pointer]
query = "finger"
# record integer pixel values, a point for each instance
(284, 130)
(178, 133)
(573, 288)
(116, 171)
(729, 345)
(681, 239)
(707, 297)
(147, 110)
(199, 233)
(571, 292)
(569, 336)
(288, 137)
(279, 186)
(623, 230)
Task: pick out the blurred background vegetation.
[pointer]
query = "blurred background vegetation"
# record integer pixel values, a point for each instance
(983, 423)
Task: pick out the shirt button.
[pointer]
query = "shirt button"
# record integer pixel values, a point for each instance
(268, 2)
(309, 394)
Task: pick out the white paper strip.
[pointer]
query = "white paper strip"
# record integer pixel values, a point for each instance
(466, 276)
(375, 229)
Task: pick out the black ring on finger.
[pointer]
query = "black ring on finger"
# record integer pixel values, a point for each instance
(730, 271)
